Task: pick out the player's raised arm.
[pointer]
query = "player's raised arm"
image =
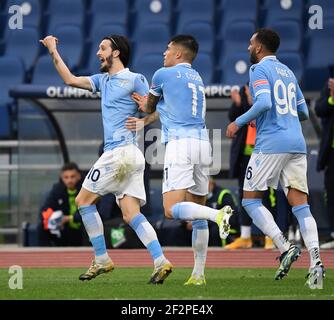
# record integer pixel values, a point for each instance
(50, 42)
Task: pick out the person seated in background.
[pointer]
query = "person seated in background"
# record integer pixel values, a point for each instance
(60, 222)
(241, 150)
(217, 198)
(325, 110)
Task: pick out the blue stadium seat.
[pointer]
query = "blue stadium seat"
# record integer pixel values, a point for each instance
(204, 65)
(64, 12)
(235, 67)
(320, 55)
(12, 74)
(294, 61)
(203, 32)
(152, 11)
(283, 10)
(45, 72)
(107, 12)
(102, 31)
(290, 34)
(326, 5)
(4, 122)
(151, 38)
(23, 44)
(237, 10)
(147, 64)
(237, 36)
(195, 10)
(71, 44)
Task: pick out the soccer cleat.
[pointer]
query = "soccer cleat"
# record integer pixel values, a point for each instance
(268, 243)
(196, 281)
(223, 218)
(160, 274)
(286, 260)
(96, 269)
(240, 243)
(315, 276)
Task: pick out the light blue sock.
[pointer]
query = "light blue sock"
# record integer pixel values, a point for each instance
(264, 220)
(94, 227)
(190, 211)
(200, 242)
(148, 237)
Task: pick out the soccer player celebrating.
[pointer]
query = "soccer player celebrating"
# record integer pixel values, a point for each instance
(177, 93)
(120, 169)
(280, 152)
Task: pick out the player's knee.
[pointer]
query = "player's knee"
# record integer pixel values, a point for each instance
(168, 212)
(78, 201)
(127, 217)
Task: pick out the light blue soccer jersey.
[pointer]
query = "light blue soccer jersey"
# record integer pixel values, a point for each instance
(278, 130)
(117, 104)
(182, 113)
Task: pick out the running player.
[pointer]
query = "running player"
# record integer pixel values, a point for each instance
(280, 152)
(120, 169)
(177, 92)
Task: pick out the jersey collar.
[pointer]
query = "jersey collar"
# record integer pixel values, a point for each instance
(272, 57)
(184, 64)
(119, 72)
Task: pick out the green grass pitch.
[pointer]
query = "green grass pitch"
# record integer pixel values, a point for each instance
(131, 283)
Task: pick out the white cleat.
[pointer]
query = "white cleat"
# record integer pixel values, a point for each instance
(223, 221)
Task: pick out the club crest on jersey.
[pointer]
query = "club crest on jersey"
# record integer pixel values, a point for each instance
(123, 82)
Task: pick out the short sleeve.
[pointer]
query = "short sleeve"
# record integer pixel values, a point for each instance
(259, 82)
(157, 83)
(95, 82)
(141, 85)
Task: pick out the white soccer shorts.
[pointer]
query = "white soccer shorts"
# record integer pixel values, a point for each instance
(186, 166)
(267, 170)
(119, 171)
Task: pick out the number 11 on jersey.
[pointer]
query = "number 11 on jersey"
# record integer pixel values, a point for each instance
(201, 89)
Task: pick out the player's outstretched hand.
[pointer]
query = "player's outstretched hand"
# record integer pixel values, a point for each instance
(231, 130)
(140, 100)
(49, 42)
(134, 124)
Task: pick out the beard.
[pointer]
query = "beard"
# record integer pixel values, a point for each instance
(253, 57)
(109, 64)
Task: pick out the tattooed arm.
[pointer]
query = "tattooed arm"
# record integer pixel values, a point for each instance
(50, 42)
(146, 104)
(137, 124)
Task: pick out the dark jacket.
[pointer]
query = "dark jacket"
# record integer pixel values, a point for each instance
(326, 112)
(57, 199)
(238, 143)
(221, 197)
